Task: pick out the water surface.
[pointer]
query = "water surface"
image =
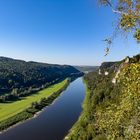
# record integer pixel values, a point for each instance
(55, 121)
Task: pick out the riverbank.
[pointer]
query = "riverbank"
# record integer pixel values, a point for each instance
(30, 106)
(60, 116)
(111, 109)
(75, 128)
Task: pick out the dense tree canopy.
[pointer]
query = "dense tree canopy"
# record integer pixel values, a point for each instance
(18, 78)
(111, 110)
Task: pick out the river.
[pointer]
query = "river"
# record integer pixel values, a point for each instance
(54, 122)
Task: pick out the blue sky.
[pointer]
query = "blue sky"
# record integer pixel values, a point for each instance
(60, 31)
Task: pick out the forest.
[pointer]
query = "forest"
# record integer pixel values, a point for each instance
(20, 78)
(111, 109)
(27, 107)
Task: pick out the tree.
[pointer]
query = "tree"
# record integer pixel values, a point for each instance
(15, 92)
(10, 82)
(128, 12)
(2, 98)
(35, 105)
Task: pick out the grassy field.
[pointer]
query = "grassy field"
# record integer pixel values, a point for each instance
(8, 110)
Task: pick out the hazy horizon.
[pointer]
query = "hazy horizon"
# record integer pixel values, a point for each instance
(60, 32)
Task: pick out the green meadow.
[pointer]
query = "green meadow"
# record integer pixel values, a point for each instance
(8, 110)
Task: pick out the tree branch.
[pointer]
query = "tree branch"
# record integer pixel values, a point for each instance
(113, 9)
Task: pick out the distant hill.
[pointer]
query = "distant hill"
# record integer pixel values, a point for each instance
(86, 69)
(21, 74)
